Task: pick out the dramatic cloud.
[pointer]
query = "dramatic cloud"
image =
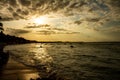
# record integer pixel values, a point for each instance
(12, 3)
(38, 26)
(64, 16)
(49, 32)
(24, 2)
(16, 32)
(46, 32)
(77, 22)
(93, 19)
(46, 29)
(23, 9)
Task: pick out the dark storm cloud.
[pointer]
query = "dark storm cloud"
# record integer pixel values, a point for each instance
(16, 31)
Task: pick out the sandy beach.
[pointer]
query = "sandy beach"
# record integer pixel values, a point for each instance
(14, 70)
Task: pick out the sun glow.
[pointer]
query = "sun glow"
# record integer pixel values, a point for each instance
(39, 20)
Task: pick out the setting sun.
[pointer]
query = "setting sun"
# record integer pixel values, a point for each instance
(39, 20)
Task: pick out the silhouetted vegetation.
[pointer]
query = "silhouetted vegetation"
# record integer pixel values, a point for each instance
(11, 39)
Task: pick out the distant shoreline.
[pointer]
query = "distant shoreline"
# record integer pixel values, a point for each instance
(72, 42)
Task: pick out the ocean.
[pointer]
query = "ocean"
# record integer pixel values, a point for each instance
(74, 61)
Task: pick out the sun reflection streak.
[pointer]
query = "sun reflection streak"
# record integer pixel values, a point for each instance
(34, 55)
(40, 55)
(42, 59)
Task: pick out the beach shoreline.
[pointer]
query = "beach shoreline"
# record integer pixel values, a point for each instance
(14, 70)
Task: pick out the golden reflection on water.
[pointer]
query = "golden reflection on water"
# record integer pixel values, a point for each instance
(41, 55)
(31, 54)
(29, 76)
(34, 54)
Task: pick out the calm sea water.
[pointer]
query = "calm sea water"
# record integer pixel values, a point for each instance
(76, 61)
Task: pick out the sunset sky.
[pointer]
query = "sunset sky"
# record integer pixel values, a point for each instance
(62, 20)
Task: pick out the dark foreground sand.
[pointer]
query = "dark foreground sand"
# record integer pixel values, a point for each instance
(16, 71)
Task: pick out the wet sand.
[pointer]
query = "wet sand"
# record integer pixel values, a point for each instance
(14, 70)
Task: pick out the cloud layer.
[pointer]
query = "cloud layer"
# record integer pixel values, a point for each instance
(23, 9)
(100, 17)
(16, 32)
(45, 29)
